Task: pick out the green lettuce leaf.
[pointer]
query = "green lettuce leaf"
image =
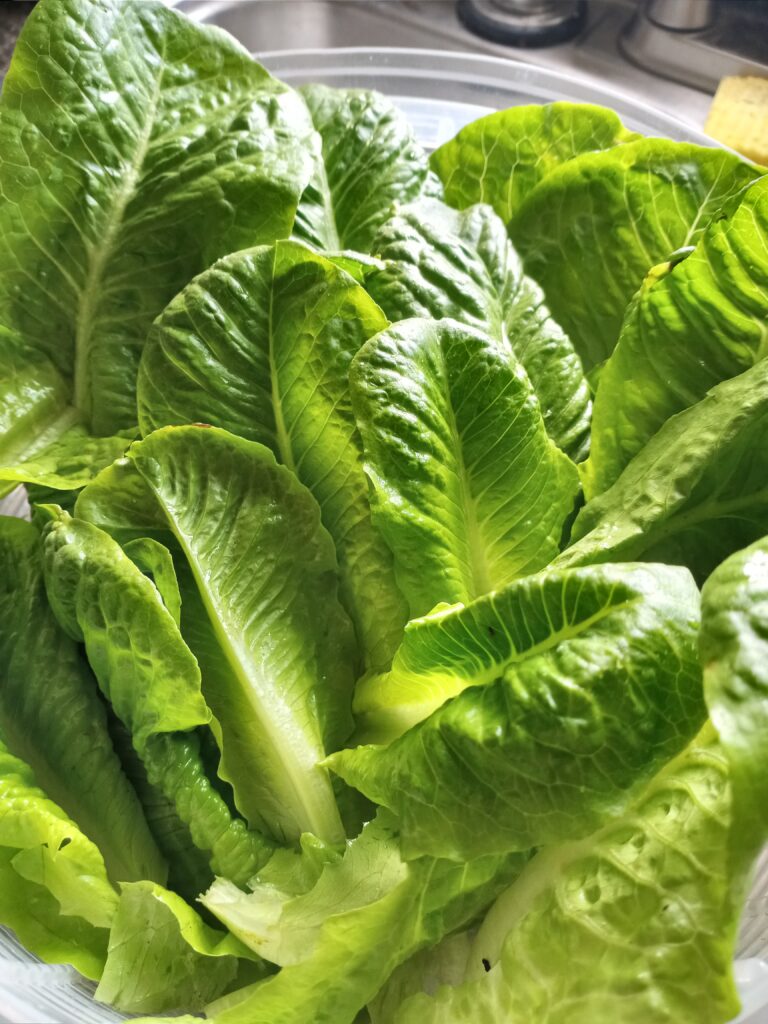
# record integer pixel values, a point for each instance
(189, 870)
(589, 232)
(68, 463)
(137, 146)
(162, 956)
(692, 325)
(500, 158)
(441, 263)
(150, 678)
(54, 890)
(34, 410)
(734, 645)
(260, 345)
(259, 610)
(369, 161)
(563, 693)
(697, 491)
(51, 716)
(365, 914)
(468, 489)
(634, 925)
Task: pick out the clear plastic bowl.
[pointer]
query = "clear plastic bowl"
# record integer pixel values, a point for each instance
(439, 92)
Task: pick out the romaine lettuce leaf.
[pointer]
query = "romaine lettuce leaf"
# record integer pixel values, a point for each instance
(162, 956)
(691, 325)
(364, 916)
(262, 616)
(442, 263)
(150, 678)
(54, 890)
(500, 158)
(369, 161)
(468, 489)
(633, 925)
(697, 491)
(137, 146)
(67, 463)
(591, 230)
(51, 716)
(734, 652)
(571, 690)
(260, 345)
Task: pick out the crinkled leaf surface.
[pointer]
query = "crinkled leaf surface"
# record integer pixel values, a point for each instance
(500, 158)
(54, 890)
(275, 646)
(162, 956)
(137, 146)
(365, 915)
(52, 718)
(591, 230)
(697, 491)
(468, 489)
(441, 263)
(69, 462)
(369, 161)
(150, 677)
(260, 345)
(35, 408)
(734, 652)
(572, 688)
(635, 925)
(691, 326)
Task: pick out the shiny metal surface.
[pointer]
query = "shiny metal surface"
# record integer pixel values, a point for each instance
(734, 43)
(681, 15)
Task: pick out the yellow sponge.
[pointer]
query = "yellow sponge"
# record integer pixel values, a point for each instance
(739, 116)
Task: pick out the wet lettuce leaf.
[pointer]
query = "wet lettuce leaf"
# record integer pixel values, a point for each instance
(692, 325)
(468, 489)
(52, 718)
(137, 146)
(369, 161)
(261, 345)
(562, 694)
(500, 158)
(591, 230)
(442, 263)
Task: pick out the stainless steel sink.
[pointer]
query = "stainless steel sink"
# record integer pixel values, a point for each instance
(594, 56)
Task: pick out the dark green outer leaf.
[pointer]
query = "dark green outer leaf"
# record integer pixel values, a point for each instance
(690, 326)
(592, 229)
(51, 716)
(136, 147)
